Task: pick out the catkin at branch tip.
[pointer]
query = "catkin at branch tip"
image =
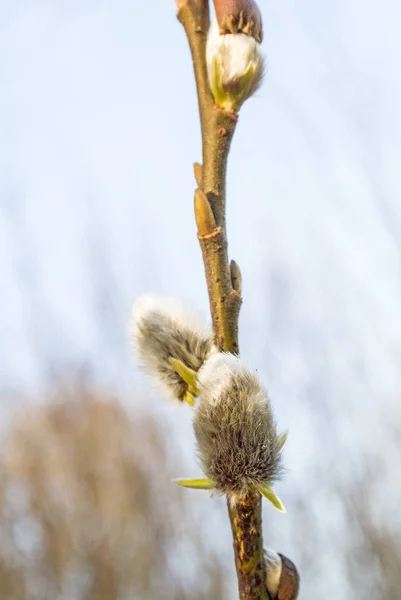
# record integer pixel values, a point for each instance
(160, 330)
(237, 439)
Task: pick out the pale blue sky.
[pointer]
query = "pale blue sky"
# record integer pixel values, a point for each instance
(99, 130)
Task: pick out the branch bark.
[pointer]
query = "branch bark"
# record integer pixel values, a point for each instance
(224, 286)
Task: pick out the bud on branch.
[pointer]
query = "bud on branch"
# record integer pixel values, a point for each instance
(282, 577)
(235, 67)
(239, 16)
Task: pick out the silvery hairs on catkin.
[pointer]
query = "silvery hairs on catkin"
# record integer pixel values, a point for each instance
(161, 329)
(237, 439)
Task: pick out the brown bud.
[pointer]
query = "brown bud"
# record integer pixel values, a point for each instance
(203, 214)
(198, 171)
(282, 578)
(288, 588)
(236, 278)
(239, 16)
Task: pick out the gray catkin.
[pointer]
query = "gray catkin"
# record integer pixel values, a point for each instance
(234, 427)
(162, 330)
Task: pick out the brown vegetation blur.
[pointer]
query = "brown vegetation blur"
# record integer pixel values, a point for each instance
(87, 513)
(87, 510)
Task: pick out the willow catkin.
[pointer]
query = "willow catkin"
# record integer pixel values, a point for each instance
(235, 67)
(162, 330)
(234, 427)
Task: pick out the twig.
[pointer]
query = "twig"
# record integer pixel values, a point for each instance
(224, 283)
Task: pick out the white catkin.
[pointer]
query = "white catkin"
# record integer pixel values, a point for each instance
(160, 330)
(235, 54)
(236, 434)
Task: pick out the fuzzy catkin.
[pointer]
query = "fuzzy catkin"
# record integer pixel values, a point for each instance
(162, 330)
(237, 440)
(235, 67)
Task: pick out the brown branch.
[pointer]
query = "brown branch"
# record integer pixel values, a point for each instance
(225, 302)
(245, 517)
(224, 283)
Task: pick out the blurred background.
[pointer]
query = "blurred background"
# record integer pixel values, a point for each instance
(99, 129)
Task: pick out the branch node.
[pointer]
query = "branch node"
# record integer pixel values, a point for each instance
(230, 114)
(209, 236)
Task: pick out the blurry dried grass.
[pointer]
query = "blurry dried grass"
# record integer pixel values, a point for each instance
(358, 554)
(83, 514)
(87, 513)
(374, 559)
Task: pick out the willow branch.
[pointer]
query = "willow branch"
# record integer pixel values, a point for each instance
(224, 283)
(246, 526)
